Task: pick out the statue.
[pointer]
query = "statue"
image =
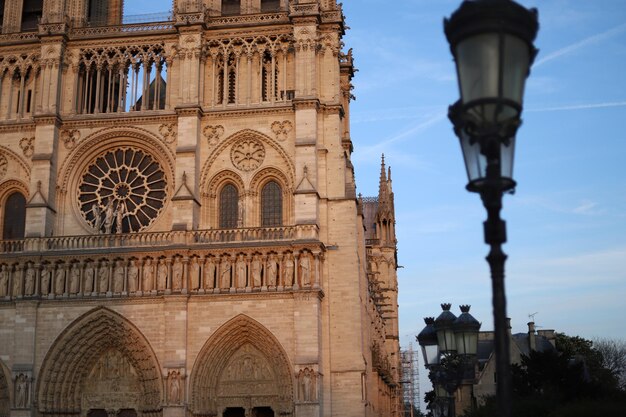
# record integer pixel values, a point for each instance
(194, 274)
(59, 280)
(89, 275)
(133, 274)
(240, 213)
(45, 281)
(120, 213)
(256, 271)
(289, 268)
(305, 269)
(148, 275)
(209, 273)
(97, 217)
(174, 394)
(21, 391)
(103, 277)
(29, 280)
(161, 275)
(109, 214)
(225, 273)
(17, 285)
(4, 281)
(272, 271)
(118, 277)
(241, 272)
(74, 283)
(177, 274)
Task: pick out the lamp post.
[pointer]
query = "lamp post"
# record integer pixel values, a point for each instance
(492, 45)
(449, 346)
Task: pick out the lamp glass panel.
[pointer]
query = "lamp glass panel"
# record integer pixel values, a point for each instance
(515, 68)
(445, 337)
(477, 62)
(467, 342)
(475, 162)
(507, 156)
(431, 354)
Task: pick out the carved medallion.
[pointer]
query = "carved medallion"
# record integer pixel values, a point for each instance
(248, 154)
(169, 133)
(213, 134)
(28, 146)
(122, 191)
(70, 138)
(281, 129)
(3, 165)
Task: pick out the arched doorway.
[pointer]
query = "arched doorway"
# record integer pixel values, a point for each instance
(101, 362)
(242, 371)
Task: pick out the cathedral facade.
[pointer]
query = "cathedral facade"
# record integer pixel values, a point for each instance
(181, 230)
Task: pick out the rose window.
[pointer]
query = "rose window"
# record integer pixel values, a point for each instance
(122, 191)
(248, 154)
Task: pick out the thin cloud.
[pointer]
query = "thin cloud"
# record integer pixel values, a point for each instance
(581, 44)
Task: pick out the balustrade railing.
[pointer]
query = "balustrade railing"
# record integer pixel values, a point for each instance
(160, 239)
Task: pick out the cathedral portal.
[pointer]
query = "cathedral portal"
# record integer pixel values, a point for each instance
(242, 371)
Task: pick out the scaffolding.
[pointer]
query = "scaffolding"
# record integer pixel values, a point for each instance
(410, 381)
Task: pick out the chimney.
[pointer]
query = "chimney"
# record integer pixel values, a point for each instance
(549, 335)
(532, 340)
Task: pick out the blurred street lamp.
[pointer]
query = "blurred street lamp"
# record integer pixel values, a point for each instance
(492, 45)
(449, 345)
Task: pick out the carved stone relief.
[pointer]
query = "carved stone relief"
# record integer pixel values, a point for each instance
(113, 382)
(248, 154)
(28, 146)
(247, 374)
(3, 165)
(175, 386)
(282, 129)
(169, 132)
(213, 134)
(70, 138)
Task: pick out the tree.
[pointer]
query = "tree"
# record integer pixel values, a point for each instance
(613, 358)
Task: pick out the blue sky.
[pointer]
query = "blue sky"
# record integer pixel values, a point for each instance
(567, 220)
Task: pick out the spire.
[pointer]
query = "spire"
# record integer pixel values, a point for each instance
(382, 186)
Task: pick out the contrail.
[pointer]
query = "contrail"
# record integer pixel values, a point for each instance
(579, 106)
(581, 44)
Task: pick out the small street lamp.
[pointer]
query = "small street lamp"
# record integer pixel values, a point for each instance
(449, 345)
(492, 45)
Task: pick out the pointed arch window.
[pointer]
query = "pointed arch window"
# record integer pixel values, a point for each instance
(231, 6)
(268, 6)
(14, 220)
(229, 207)
(271, 205)
(32, 11)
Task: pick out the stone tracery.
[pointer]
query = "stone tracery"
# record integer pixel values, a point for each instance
(122, 191)
(243, 356)
(69, 367)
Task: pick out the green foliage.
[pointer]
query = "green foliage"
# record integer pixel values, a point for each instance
(572, 381)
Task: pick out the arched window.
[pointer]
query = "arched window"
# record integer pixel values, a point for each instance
(14, 217)
(268, 6)
(31, 13)
(229, 207)
(271, 205)
(97, 12)
(231, 6)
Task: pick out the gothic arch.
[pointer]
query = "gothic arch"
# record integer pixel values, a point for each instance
(97, 144)
(213, 368)
(78, 349)
(25, 167)
(257, 183)
(210, 197)
(289, 170)
(6, 189)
